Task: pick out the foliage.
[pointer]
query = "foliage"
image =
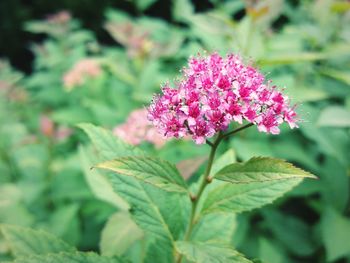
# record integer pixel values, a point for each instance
(128, 215)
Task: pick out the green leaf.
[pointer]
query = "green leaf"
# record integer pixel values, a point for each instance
(335, 184)
(209, 252)
(150, 170)
(12, 208)
(26, 241)
(335, 234)
(290, 231)
(334, 116)
(76, 257)
(119, 234)
(236, 198)
(218, 226)
(108, 145)
(343, 76)
(260, 169)
(98, 183)
(154, 210)
(225, 159)
(270, 252)
(144, 4)
(288, 58)
(182, 10)
(162, 215)
(64, 223)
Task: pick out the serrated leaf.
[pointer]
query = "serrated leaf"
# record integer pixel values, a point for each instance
(209, 252)
(76, 257)
(108, 145)
(154, 210)
(260, 169)
(237, 198)
(119, 233)
(154, 171)
(25, 241)
(162, 215)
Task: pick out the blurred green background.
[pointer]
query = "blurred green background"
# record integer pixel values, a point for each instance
(68, 62)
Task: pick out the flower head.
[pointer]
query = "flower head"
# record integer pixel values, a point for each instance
(213, 92)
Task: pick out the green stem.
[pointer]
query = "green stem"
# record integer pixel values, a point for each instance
(207, 179)
(202, 186)
(236, 130)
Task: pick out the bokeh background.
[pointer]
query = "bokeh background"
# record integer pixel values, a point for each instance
(67, 62)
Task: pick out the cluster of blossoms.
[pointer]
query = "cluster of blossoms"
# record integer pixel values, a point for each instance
(50, 130)
(61, 17)
(213, 92)
(82, 69)
(137, 129)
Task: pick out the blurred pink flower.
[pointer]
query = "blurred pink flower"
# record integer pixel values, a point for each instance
(61, 17)
(62, 133)
(49, 129)
(82, 69)
(47, 126)
(138, 129)
(136, 40)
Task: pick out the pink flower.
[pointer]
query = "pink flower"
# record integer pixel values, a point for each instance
(137, 129)
(84, 68)
(61, 17)
(213, 92)
(50, 130)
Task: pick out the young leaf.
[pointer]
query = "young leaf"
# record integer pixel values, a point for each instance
(25, 241)
(211, 251)
(236, 198)
(260, 169)
(76, 257)
(119, 234)
(154, 171)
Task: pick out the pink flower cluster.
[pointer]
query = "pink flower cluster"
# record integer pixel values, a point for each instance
(137, 129)
(83, 68)
(213, 92)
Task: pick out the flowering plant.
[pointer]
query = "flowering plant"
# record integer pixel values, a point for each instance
(191, 223)
(159, 213)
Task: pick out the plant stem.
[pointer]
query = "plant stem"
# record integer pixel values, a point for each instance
(236, 130)
(195, 199)
(207, 179)
(202, 185)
